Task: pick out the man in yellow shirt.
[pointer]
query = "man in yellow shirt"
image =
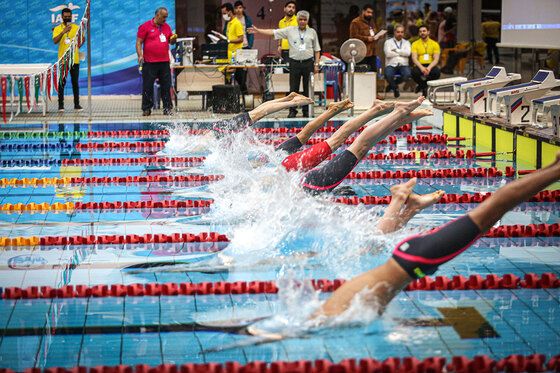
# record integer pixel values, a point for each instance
(234, 34)
(425, 57)
(289, 19)
(63, 35)
(491, 35)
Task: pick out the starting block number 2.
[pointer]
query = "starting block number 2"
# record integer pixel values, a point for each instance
(523, 117)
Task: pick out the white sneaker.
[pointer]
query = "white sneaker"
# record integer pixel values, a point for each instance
(61, 110)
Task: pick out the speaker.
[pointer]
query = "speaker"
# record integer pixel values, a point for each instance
(225, 99)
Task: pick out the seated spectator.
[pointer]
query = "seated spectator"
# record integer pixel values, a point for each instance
(425, 54)
(397, 51)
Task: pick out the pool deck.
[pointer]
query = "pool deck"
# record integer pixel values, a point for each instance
(127, 109)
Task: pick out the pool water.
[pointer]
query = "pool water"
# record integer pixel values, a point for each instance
(274, 233)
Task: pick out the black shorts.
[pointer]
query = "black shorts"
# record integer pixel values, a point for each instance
(422, 254)
(231, 125)
(325, 179)
(290, 146)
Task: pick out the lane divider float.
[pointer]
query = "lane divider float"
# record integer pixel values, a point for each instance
(474, 282)
(117, 206)
(106, 180)
(195, 207)
(518, 230)
(116, 239)
(407, 364)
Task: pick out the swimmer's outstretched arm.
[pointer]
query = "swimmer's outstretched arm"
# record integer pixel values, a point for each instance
(339, 137)
(419, 255)
(270, 107)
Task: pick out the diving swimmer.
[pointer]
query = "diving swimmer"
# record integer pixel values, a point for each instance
(421, 255)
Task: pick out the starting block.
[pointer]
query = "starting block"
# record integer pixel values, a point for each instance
(435, 85)
(547, 104)
(475, 92)
(517, 98)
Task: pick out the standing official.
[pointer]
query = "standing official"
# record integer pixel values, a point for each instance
(63, 35)
(397, 51)
(152, 47)
(304, 53)
(234, 35)
(363, 28)
(289, 19)
(425, 56)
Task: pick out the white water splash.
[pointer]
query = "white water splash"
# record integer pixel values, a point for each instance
(270, 219)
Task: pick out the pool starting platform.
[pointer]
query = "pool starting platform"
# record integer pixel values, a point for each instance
(547, 104)
(517, 99)
(474, 93)
(518, 135)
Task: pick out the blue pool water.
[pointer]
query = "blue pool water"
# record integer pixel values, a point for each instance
(276, 234)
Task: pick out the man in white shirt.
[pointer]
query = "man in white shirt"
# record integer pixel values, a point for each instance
(397, 51)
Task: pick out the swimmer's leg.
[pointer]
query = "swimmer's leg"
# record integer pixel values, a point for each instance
(391, 277)
(241, 121)
(417, 203)
(333, 109)
(326, 178)
(293, 144)
(341, 135)
(391, 219)
(273, 106)
(380, 129)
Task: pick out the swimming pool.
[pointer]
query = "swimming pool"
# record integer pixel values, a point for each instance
(150, 217)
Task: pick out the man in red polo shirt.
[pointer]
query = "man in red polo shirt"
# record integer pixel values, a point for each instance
(156, 35)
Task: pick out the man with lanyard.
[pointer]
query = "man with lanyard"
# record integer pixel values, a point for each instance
(63, 35)
(155, 36)
(289, 20)
(397, 51)
(425, 56)
(304, 49)
(364, 29)
(234, 35)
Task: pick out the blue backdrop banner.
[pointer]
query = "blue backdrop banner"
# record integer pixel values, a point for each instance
(26, 37)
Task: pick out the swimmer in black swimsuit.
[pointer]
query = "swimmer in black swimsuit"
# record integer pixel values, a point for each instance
(421, 255)
(244, 120)
(326, 178)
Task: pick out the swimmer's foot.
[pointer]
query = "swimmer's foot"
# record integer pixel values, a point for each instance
(415, 115)
(301, 100)
(339, 106)
(289, 97)
(407, 107)
(402, 191)
(383, 106)
(420, 202)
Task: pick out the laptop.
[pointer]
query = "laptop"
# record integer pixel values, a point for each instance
(246, 56)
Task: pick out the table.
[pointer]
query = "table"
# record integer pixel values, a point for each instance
(201, 78)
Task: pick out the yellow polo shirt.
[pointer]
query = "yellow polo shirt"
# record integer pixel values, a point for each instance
(423, 49)
(62, 45)
(283, 24)
(233, 31)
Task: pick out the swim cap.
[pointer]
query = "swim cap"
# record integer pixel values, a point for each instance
(257, 159)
